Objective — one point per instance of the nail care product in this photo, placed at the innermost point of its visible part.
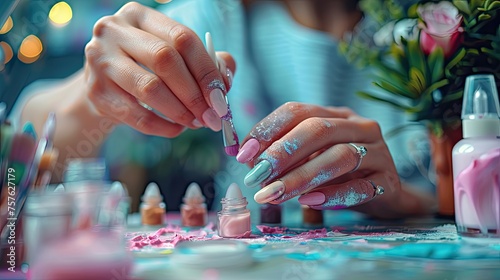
(47, 219)
(311, 217)
(194, 209)
(476, 160)
(270, 213)
(230, 138)
(85, 179)
(152, 207)
(85, 254)
(234, 218)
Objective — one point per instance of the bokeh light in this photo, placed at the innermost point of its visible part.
(163, 1)
(30, 49)
(7, 50)
(60, 14)
(7, 26)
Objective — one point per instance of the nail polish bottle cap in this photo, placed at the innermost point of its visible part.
(193, 194)
(481, 109)
(59, 188)
(118, 189)
(152, 193)
(234, 192)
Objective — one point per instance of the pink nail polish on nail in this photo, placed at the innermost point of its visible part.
(313, 198)
(218, 102)
(212, 120)
(248, 150)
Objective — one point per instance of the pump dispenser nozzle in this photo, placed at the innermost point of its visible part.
(481, 110)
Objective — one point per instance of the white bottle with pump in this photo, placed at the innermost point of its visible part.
(476, 161)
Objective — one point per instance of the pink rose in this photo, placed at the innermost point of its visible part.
(442, 27)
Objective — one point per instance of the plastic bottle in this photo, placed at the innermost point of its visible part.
(194, 209)
(476, 161)
(152, 207)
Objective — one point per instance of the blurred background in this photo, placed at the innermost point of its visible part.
(45, 39)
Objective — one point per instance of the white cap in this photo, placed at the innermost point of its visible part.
(152, 192)
(193, 194)
(118, 189)
(234, 192)
(480, 108)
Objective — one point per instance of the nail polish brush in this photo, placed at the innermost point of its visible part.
(230, 138)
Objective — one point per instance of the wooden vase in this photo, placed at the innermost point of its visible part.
(441, 148)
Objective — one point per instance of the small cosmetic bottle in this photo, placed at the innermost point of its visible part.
(194, 209)
(312, 217)
(270, 213)
(234, 218)
(476, 161)
(152, 207)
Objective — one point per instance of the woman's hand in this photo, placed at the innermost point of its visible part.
(318, 153)
(139, 59)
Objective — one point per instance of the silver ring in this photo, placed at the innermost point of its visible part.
(361, 151)
(377, 189)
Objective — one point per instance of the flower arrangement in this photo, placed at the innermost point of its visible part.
(423, 52)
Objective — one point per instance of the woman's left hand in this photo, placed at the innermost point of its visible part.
(329, 156)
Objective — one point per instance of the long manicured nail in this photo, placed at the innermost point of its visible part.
(248, 150)
(270, 192)
(218, 102)
(258, 174)
(212, 120)
(313, 198)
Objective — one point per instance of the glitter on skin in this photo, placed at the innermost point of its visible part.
(291, 146)
(344, 200)
(321, 178)
(271, 125)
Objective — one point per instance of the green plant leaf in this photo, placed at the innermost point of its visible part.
(436, 63)
(373, 97)
(462, 5)
(416, 57)
(483, 17)
(417, 80)
(394, 89)
(456, 59)
(494, 5)
(453, 96)
(428, 91)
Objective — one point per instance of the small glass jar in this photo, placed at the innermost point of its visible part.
(234, 218)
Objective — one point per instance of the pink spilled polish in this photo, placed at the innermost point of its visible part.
(248, 151)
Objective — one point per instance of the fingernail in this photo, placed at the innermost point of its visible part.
(248, 150)
(270, 192)
(197, 123)
(212, 120)
(313, 198)
(218, 102)
(258, 174)
(229, 75)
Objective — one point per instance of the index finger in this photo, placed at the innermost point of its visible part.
(192, 50)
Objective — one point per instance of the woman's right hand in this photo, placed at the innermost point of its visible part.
(138, 55)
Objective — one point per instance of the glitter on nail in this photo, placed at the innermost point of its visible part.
(217, 84)
(271, 125)
(291, 146)
(344, 200)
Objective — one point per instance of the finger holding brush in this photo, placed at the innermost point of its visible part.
(230, 138)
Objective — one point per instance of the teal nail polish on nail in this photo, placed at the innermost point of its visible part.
(258, 174)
